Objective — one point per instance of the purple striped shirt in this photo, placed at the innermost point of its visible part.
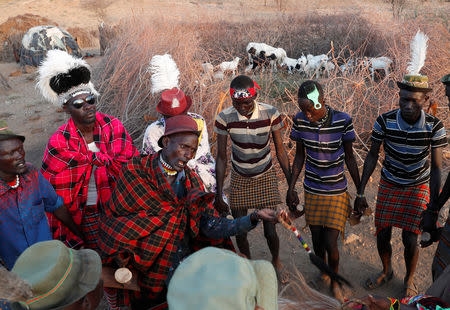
(324, 145)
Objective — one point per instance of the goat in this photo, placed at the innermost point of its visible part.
(314, 64)
(378, 63)
(230, 66)
(291, 64)
(253, 49)
(254, 52)
(208, 70)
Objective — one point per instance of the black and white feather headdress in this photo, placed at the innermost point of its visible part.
(62, 76)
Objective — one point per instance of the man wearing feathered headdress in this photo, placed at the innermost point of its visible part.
(173, 101)
(84, 156)
(408, 135)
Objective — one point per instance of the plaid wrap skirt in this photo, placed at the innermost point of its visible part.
(257, 192)
(400, 207)
(330, 211)
(442, 256)
(89, 226)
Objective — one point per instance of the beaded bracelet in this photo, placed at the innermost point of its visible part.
(395, 305)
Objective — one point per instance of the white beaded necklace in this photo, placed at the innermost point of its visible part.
(17, 182)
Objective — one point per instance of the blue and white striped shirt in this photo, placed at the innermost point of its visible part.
(407, 147)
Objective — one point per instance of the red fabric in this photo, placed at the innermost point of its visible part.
(68, 164)
(400, 207)
(148, 220)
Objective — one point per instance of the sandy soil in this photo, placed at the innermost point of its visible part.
(28, 114)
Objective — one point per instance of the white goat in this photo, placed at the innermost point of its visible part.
(291, 64)
(253, 49)
(314, 64)
(328, 66)
(227, 66)
(280, 55)
(378, 63)
(208, 70)
(302, 61)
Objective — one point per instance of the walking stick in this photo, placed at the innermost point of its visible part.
(316, 260)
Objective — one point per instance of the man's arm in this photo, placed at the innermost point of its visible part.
(435, 174)
(350, 161)
(221, 166)
(297, 167)
(430, 215)
(64, 216)
(220, 227)
(282, 157)
(370, 164)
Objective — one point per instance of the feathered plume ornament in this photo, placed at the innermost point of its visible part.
(12, 287)
(164, 72)
(418, 53)
(61, 76)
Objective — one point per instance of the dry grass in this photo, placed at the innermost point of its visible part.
(125, 84)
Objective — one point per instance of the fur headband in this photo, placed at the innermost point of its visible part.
(62, 76)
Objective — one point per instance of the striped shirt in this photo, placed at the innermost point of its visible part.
(407, 147)
(250, 137)
(324, 145)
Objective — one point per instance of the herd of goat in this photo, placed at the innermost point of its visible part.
(262, 56)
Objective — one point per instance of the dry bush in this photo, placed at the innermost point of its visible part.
(125, 84)
(84, 38)
(12, 31)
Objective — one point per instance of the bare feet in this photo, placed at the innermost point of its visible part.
(337, 292)
(281, 271)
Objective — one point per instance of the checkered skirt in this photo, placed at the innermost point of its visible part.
(327, 210)
(257, 192)
(400, 206)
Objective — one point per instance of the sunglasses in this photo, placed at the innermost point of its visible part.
(79, 103)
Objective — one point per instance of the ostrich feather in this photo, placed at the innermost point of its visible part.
(164, 72)
(418, 53)
(12, 287)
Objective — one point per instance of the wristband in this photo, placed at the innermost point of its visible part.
(255, 217)
(360, 196)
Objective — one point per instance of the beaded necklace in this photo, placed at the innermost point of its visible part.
(17, 182)
(323, 119)
(167, 168)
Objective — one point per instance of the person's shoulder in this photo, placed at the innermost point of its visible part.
(429, 118)
(300, 117)
(267, 107)
(389, 114)
(227, 113)
(108, 120)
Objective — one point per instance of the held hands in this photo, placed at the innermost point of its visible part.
(292, 200)
(428, 225)
(360, 206)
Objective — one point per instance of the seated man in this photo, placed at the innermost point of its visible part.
(160, 214)
(25, 197)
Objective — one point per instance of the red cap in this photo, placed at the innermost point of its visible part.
(177, 124)
(173, 102)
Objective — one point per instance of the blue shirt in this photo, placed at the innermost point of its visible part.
(407, 147)
(324, 146)
(22, 214)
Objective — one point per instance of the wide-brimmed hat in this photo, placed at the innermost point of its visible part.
(214, 278)
(446, 79)
(415, 83)
(177, 124)
(6, 133)
(58, 276)
(173, 102)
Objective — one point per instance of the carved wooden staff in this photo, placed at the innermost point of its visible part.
(316, 260)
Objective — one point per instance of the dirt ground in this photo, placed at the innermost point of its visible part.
(28, 114)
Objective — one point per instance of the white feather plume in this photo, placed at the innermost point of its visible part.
(419, 46)
(56, 62)
(165, 73)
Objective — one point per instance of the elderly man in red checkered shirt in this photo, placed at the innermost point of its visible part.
(160, 214)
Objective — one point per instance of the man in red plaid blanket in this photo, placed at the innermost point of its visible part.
(409, 135)
(84, 156)
(159, 214)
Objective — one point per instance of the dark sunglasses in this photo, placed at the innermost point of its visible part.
(79, 103)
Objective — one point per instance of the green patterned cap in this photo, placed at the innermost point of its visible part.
(446, 79)
(6, 134)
